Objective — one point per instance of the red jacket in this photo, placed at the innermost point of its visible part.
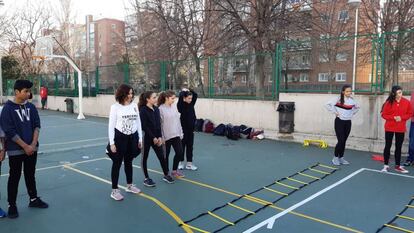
(43, 92)
(402, 109)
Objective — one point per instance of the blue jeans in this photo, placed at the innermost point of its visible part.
(411, 144)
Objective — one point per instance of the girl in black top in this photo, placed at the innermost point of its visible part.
(185, 105)
(151, 125)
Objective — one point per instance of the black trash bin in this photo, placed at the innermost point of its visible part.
(69, 105)
(286, 117)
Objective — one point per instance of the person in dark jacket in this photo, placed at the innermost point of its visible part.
(151, 125)
(185, 105)
(21, 123)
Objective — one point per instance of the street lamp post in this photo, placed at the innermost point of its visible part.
(355, 3)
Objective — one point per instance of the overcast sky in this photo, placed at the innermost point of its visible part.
(98, 8)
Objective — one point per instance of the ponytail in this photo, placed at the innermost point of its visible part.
(143, 98)
(163, 97)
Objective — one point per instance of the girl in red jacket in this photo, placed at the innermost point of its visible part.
(395, 111)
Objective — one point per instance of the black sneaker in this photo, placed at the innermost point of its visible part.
(38, 203)
(408, 163)
(149, 183)
(168, 179)
(13, 213)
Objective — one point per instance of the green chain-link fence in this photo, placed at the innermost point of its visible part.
(312, 66)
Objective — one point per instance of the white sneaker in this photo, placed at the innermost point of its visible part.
(343, 161)
(132, 189)
(191, 166)
(386, 168)
(116, 195)
(335, 161)
(181, 166)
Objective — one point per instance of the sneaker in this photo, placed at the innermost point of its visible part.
(149, 183)
(177, 174)
(13, 213)
(181, 166)
(400, 169)
(386, 168)
(335, 161)
(343, 161)
(168, 179)
(116, 195)
(38, 203)
(191, 166)
(131, 188)
(2, 213)
(408, 163)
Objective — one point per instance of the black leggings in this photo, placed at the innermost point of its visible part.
(127, 150)
(16, 163)
(342, 130)
(148, 143)
(116, 166)
(178, 148)
(399, 139)
(188, 142)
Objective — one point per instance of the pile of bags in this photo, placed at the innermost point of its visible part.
(233, 132)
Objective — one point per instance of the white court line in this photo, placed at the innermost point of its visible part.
(71, 142)
(270, 221)
(73, 148)
(74, 119)
(66, 164)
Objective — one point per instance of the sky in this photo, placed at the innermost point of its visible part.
(98, 8)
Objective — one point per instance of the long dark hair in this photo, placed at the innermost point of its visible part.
(122, 93)
(342, 98)
(143, 98)
(391, 97)
(187, 94)
(163, 96)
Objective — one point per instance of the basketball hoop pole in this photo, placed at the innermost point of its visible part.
(80, 97)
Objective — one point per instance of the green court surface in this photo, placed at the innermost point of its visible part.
(74, 178)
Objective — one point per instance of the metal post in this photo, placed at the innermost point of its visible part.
(355, 50)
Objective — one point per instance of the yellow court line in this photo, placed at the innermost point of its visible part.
(195, 228)
(288, 186)
(298, 181)
(410, 206)
(156, 201)
(405, 217)
(62, 165)
(262, 202)
(313, 177)
(398, 228)
(258, 199)
(240, 208)
(275, 191)
(319, 171)
(325, 166)
(220, 218)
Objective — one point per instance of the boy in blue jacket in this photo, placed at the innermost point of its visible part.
(20, 122)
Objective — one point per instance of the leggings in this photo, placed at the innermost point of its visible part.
(148, 143)
(399, 139)
(178, 148)
(342, 130)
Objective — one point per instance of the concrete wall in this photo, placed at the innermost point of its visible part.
(312, 120)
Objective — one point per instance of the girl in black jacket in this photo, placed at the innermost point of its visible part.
(151, 125)
(185, 105)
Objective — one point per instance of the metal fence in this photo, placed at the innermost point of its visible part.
(320, 65)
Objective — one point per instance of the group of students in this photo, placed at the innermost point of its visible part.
(164, 125)
(395, 111)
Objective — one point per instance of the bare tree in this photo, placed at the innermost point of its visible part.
(185, 20)
(25, 26)
(395, 18)
(262, 23)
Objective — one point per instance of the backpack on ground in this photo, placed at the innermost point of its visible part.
(208, 126)
(199, 125)
(233, 132)
(220, 130)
